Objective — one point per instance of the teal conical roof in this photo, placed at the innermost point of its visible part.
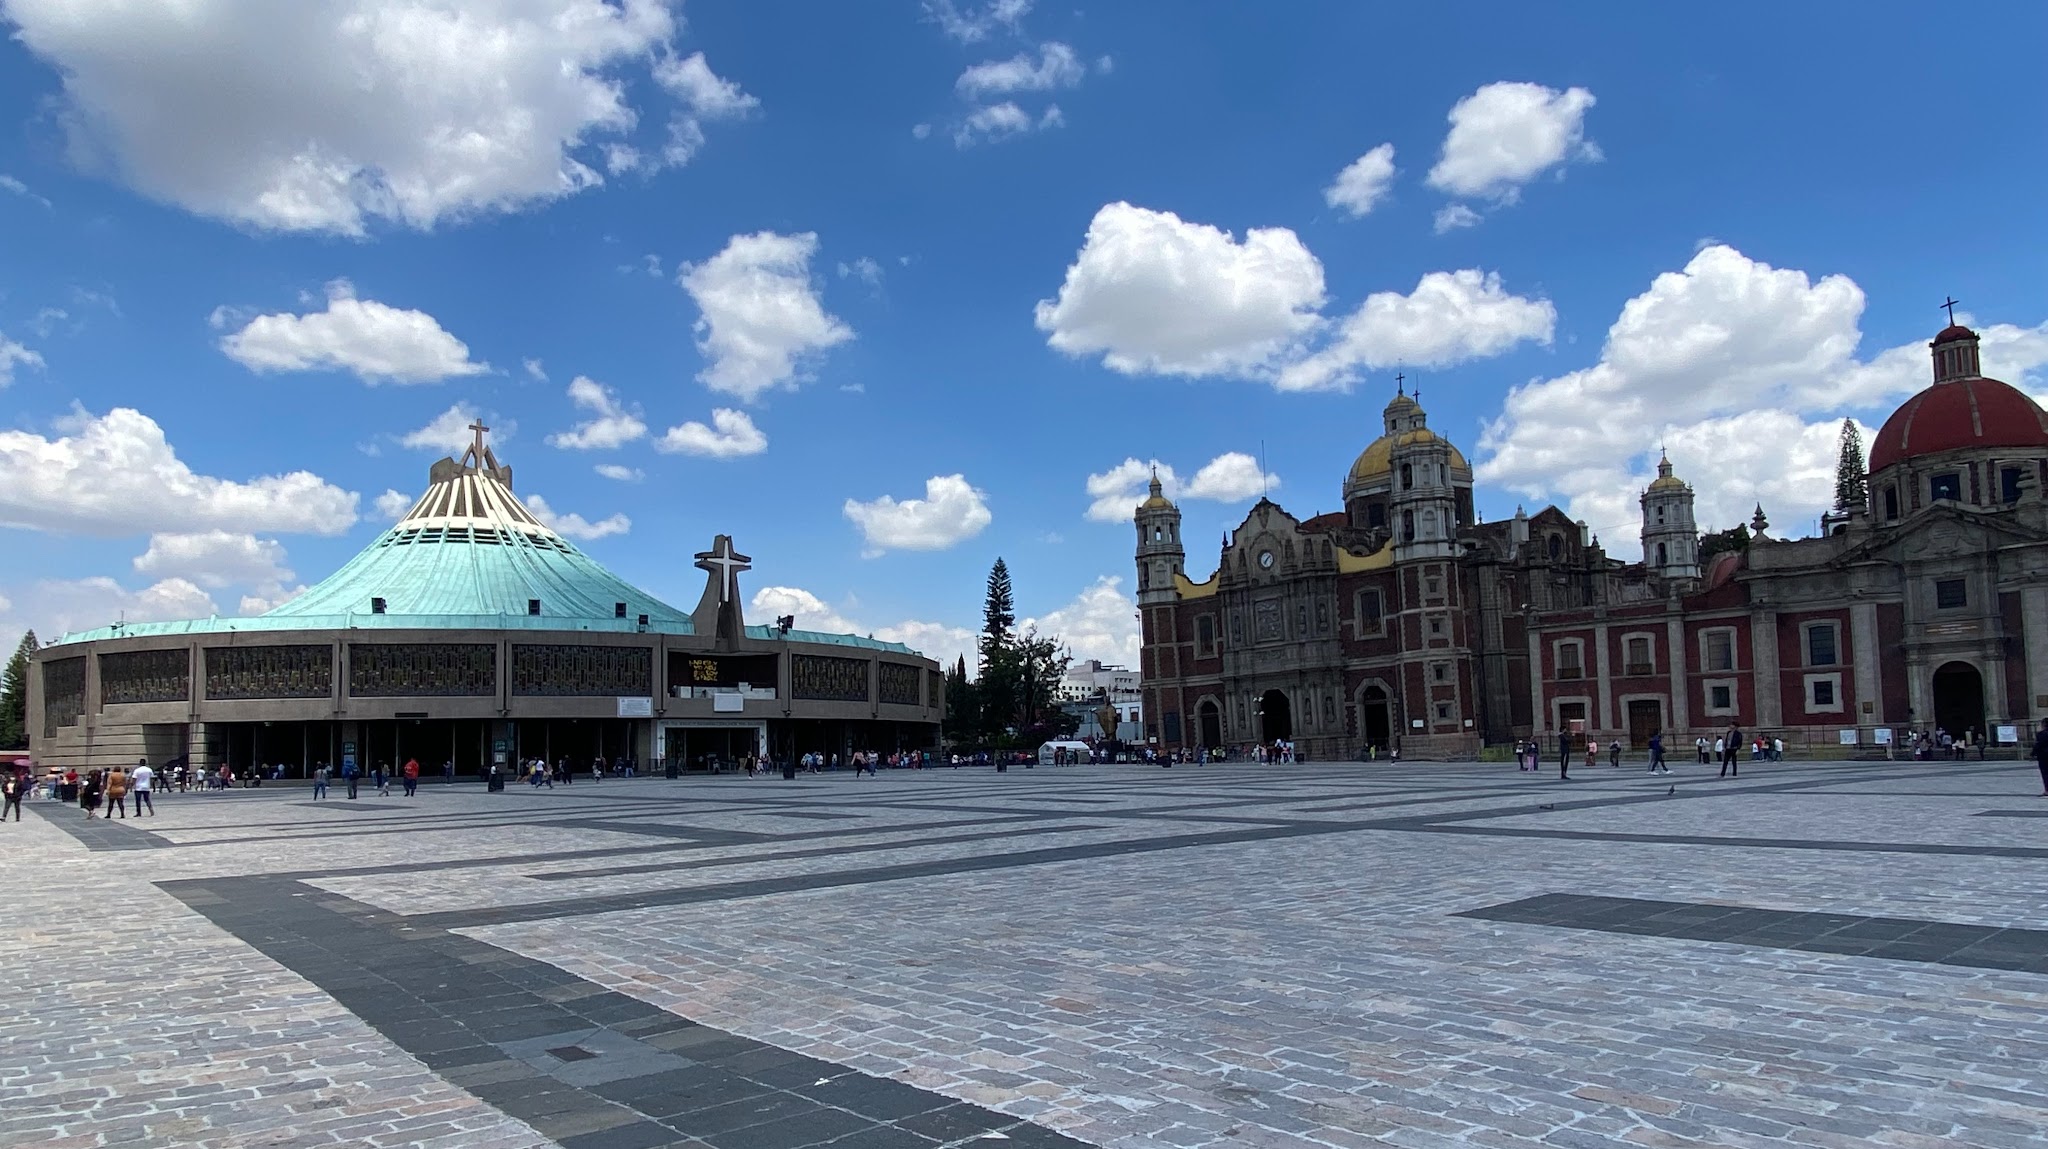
(470, 554)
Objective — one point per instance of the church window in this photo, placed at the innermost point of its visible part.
(1436, 625)
(1822, 641)
(1407, 526)
(1663, 554)
(1440, 672)
(1823, 692)
(1721, 699)
(1407, 476)
(1376, 515)
(1443, 711)
(1556, 547)
(1205, 636)
(1717, 650)
(1636, 656)
(1236, 628)
(1571, 661)
(1322, 616)
(1660, 514)
(1947, 485)
(1951, 593)
(1891, 503)
(1371, 613)
(1433, 585)
(1301, 620)
(2008, 485)
(1429, 524)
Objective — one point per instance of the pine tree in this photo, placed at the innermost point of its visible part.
(14, 695)
(1852, 489)
(998, 688)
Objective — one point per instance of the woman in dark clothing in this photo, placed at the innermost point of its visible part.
(89, 794)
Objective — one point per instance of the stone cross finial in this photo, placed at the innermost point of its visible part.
(724, 564)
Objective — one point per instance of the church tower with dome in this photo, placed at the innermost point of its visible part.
(1403, 621)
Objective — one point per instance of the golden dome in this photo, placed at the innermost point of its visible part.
(1665, 480)
(1157, 500)
(1377, 460)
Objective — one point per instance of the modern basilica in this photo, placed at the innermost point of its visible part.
(471, 633)
(1401, 622)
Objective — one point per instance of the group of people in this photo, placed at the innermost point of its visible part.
(1726, 749)
(1939, 743)
(114, 789)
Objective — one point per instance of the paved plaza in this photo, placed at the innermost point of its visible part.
(1836, 955)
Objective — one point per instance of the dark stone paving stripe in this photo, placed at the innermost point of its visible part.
(818, 852)
(97, 833)
(1896, 939)
(2011, 814)
(584, 1065)
(1732, 841)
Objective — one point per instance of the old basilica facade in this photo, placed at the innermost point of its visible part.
(1403, 622)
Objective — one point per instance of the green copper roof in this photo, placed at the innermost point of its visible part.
(469, 556)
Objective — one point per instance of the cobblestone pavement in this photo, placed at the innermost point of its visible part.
(1342, 955)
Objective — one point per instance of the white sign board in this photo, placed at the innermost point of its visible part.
(728, 703)
(1884, 736)
(1848, 737)
(2008, 735)
(636, 707)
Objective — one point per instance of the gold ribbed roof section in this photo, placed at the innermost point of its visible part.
(1377, 460)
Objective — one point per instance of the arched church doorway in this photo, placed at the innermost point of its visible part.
(1210, 719)
(1959, 699)
(1376, 715)
(1276, 719)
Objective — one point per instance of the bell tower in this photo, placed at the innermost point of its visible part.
(1671, 541)
(1160, 553)
(1422, 507)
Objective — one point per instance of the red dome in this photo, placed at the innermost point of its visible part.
(1953, 332)
(1958, 414)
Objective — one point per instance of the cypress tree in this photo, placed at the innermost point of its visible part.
(1852, 488)
(14, 695)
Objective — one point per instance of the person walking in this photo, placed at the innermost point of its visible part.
(141, 782)
(1614, 754)
(1657, 765)
(351, 774)
(320, 781)
(1592, 753)
(117, 793)
(1731, 754)
(2041, 755)
(412, 777)
(1564, 755)
(447, 772)
(16, 785)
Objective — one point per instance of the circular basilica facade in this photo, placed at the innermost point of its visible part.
(471, 633)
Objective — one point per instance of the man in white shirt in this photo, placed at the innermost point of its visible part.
(139, 783)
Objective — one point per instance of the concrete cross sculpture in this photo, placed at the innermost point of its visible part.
(724, 565)
(718, 613)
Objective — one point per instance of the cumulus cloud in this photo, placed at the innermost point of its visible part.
(1451, 317)
(377, 342)
(14, 355)
(1055, 67)
(393, 503)
(449, 431)
(1231, 477)
(732, 435)
(1453, 216)
(935, 640)
(618, 473)
(1744, 370)
(534, 370)
(704, 96)
(998, 121)
(1363, 183)
(1101, 623)
(325, 116)
(612, 424)
(56, 607)
(215, 558)
(1153, 294)
(576, 526)
(864, 269)
(971, 24)
(951, 512)
(1506, 134)
(117, 474)
(761, 315)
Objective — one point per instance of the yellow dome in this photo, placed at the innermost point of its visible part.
(1667, 483)
(1377, 460)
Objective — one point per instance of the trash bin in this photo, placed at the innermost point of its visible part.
(495, 784)
(671, 768)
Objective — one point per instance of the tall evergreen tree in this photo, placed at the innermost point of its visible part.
(963, 711)
(14, 695)
(998, 689)
(1852, 486)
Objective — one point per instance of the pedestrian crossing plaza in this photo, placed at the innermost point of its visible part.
(1841, 954)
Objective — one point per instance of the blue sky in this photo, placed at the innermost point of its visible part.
(987, 262)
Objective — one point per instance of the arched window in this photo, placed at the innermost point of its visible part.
(1891, 503)
(1556, 548)
(1408, 526)
(1407, 476)
(1663, 555)
(1660, 514)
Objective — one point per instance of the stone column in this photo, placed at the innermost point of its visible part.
(1675, 658)
(2034, 640)
(1763, 654)
(1603, 676)
(1863, 659)
(1539, 716)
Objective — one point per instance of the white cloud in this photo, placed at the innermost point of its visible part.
(116, 474)
(761, 313)
(1153, 294)
(1228, 478)
(1453, 216)
(393, 503)
(324, 116)
(449, 431)
(14, 355)
(1506, 134)
(1744, 370)
(55, 607)
(691, 80)
(975, 24)
(1101, 622)
(266, 600)
(619, 473)
(934, 640)
(534, 371)
(1056, 67)
(998, 121)
(1451, 317)
(377, 342)
(951, 511)
(1363, 183)
(864, 269)
(732, 435)
(614, 424)
(576, 526)
(215, 558)
(9, 183)
(920, 131)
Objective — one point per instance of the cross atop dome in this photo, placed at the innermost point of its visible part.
(479, 456)
(724, 565)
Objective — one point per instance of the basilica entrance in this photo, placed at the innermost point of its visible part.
(1377, 718)
(1959, 699)
(1211, 721)
(1276, 718)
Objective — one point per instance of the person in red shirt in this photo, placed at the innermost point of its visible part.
(412, 777)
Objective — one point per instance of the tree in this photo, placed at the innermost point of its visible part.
(14, 695)
(963, 710)
(999, 686)
(1852, 486)
(1735, 538)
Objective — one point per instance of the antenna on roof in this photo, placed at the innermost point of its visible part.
(1263, 485)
